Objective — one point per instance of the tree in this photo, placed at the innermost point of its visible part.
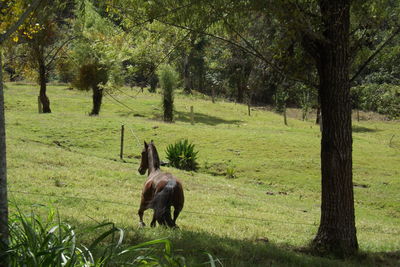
(98, 54)
(8, 29)
(43, 38)
(337, 230)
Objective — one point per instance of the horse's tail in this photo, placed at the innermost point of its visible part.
(162, 203)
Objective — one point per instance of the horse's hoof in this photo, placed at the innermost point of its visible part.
(142, 224)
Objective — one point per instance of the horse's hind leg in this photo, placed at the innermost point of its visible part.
(179, 199)
(153, 221)
(177, 210)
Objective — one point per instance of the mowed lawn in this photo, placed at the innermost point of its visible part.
(70, 161)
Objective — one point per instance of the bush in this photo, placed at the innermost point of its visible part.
(168, 81)
(181, 155)
(381, 98)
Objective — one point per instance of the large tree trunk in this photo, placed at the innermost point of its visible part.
(337, 231)
(3, 168)
(43, 87)
(97, 99)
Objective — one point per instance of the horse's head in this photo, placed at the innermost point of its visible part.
(150, 160)
(144, 164)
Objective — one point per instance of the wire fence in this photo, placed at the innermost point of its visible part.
(196, 212)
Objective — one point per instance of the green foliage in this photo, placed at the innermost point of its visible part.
(36, 241)
(90, 76)
(168, 82)
(382, 98)
(182, 155)
(99, 50)
(280, 98)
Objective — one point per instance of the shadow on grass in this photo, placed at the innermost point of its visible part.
(194, 246)
(243, 253)
(130, 114)
(203, 118)
(360, 129)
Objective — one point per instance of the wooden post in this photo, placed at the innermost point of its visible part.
(248, 108)
(40, 107)
(121, 154)
(191, 115)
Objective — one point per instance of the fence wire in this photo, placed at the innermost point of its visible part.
(191, 212)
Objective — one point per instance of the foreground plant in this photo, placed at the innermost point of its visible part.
(35, 241)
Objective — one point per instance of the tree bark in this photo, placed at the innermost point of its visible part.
(3, 168)
(337, 232)
(97, 100)
(43, 88)
(187, 84)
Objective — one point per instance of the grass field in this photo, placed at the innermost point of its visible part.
(265, 216)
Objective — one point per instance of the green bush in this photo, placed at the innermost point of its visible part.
(181, 155)
(381, 98)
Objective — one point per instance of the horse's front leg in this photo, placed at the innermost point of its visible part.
(147, 196)
(141, 212)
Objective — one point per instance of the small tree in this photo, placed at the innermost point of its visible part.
(281, 96)
(98, 54)
(168, 81)
(92, 76)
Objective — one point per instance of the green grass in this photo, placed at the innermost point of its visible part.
(70, 161)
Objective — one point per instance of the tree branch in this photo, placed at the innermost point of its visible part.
(377, 51)
(58, 50)
(245, 49)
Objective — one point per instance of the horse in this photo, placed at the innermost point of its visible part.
(161, 190)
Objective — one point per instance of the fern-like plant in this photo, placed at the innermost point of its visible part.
(35, 241)
(182, 155)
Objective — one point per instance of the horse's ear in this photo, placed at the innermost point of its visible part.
(152, 142)
(145, 144)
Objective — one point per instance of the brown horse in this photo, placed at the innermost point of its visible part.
(161, 190)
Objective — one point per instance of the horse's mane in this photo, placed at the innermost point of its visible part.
(154, 155)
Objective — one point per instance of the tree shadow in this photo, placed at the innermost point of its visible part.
(130, 114)
(361, 129)
(203, 118)
(195, 246)
(253, 251)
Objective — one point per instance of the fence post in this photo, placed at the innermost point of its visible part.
(121, 153)
(191, 115)
(40, 107)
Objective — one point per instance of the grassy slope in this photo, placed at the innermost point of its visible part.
(275, 195)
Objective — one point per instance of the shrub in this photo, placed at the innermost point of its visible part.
(381, 98)
(181, 155)
(168, 80)
(230, 172)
